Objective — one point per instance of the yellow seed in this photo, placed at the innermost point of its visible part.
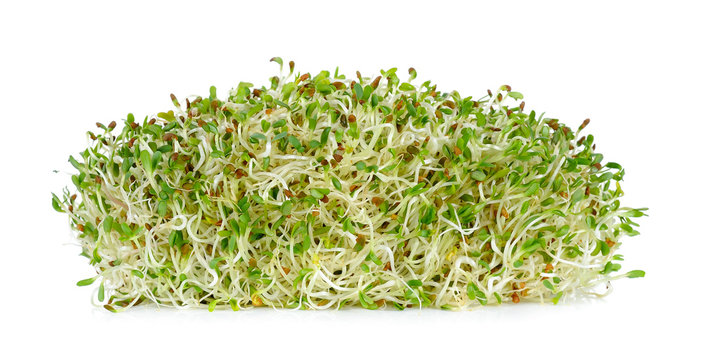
(451, 254)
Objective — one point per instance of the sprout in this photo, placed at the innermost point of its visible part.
(323, 191)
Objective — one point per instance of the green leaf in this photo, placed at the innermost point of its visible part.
(155, 159)
(325, 89)
(562, 231)
(515, 95)
(429, 216)
(167, 115)
(472, 291)
(231, 244)
(277, 60)
(101, 292)
(212, 305)
(213, 263)
(295, 143)
(280, 103)
(372, 257)
(406, 87)
(306, 243)
(360, 165)
(358, 89)
(367, 91)
(547, 202)
(55, 202)
(162, 208)
(366, 302)
(146, 161)
(532, 188)
(557, 297)
(481, 297)
(325, 136)
(317, 194)
(478, 175)
(336, 183)
(577, 196)
(338, 134)
(635, 212)
(259, 200)
(86, 282)
(501, 173)
(591, 222)
(635, 274)
(125, 230)
(211, 128)
(175, 239)
(525, 206)
(257, 137)
(548, 285)
(414, 283)
(411, 110)
(610, 267)
(365, 268)
(286, 207)
(107, 223)
(603, 247)
(234, 305)
(481, 119)
(417, 189)
(74, 162)
(280, 136)
(301, 275)
(167, 189)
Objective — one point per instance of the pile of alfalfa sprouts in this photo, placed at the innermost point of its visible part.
(321, 191)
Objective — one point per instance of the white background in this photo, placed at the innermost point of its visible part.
(633, 68)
